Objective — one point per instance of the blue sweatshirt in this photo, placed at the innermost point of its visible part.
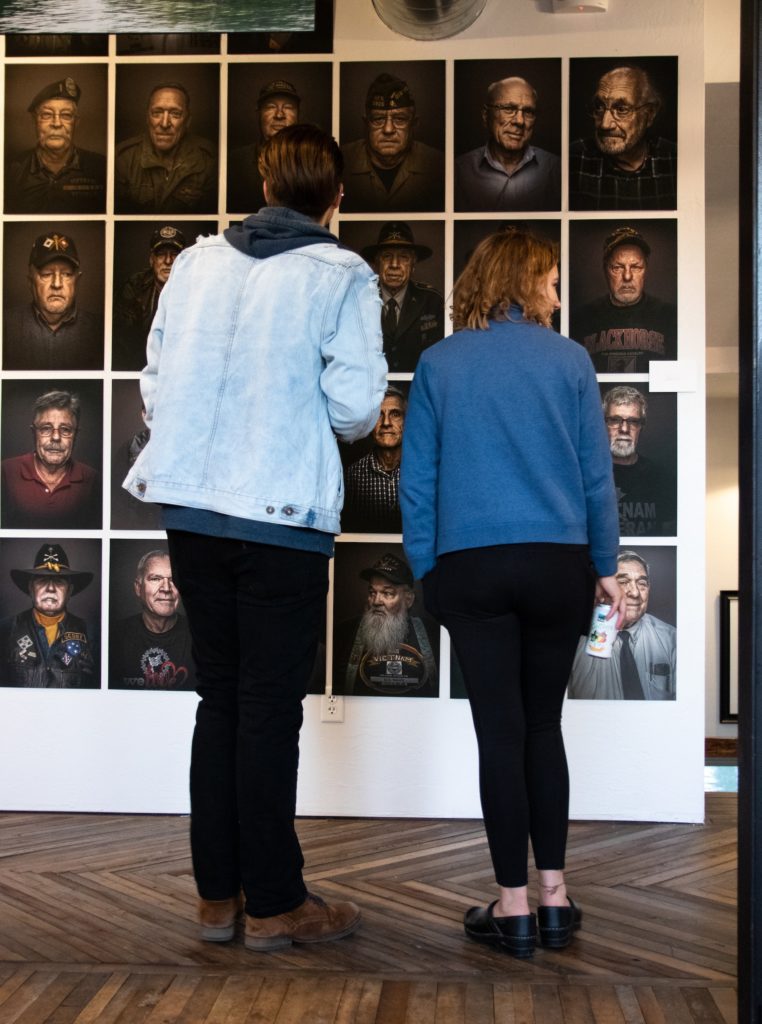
(505, 444)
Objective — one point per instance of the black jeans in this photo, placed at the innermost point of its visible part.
(255, 613)
(515, 613)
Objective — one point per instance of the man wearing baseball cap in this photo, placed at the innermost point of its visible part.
(389, 169)
(136, 305)
(413, 314)
(277, 107)
(56, 176)
(51, 332)
(47, 646)
(387, 651)
(626, 328)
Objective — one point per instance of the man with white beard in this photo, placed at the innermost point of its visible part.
(646, 495)
(387, 651)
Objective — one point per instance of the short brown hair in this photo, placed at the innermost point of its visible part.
(506, 268)
(302, 166)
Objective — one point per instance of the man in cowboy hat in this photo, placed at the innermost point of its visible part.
(413, 313)
(52, 332)
(387, 651)
(47, 646)
(135, 308)
(56, 176)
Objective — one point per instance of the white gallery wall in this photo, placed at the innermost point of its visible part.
(128, 752)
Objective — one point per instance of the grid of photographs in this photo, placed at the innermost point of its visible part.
(95, 214)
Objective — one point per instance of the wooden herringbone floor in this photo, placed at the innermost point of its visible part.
(97, 923)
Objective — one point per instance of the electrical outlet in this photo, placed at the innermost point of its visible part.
(331, 708)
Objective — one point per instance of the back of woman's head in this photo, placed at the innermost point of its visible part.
(302, 166)
(507, 268)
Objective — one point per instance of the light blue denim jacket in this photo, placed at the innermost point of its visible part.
(244, 393)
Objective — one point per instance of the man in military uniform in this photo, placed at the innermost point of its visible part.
(56, 176)
(47, 646)
(136, 305)
(152, 650)
(166, 170)
(388, 651)
(389, 169)
(52, 332)
(277, 107)
(413, 313)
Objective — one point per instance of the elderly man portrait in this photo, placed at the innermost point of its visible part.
(389, 169)
(413, 313)
(165, 169)
(625, 328)
(135, 306)
(55, 175)
(508, 172)
(46, 645)
(642, 663)
(47, 487)
(646, 491)
(371, 500)
(387, 651)
(277, 107)
(151, 650)
(51, 332)
(623, 165)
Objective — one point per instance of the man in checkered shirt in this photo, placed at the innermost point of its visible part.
(372, 500)
(623, 167)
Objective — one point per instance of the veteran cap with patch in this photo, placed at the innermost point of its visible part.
(392, 568)
(387, 92)
(53, 246)
(625, 236)
(168, 237)
(280, 87)
(63, 89)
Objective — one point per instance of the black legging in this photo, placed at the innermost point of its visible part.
(515, 613)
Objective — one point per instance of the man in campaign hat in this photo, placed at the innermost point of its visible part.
(47, 646)
(136, 305)
(277, 107)
(56, 176)
(389, 169)
(413, 314)
(52, 332)
(387, 651)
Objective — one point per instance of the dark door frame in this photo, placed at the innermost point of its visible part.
(750, 537)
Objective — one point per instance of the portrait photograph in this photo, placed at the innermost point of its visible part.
(384, 642)
(623, 133)
(55, 138)
(144, 252)
(129, 436)
(167, 132)
(408, 257)
(133, 44)
(372, 469)
(508, 135)
(392, 136)
(642, 665)
(53, 295)
(149, 639)
(50, 601)
(623, 291)
(317, 40)
(52, 454)
(642, 434)
(262, 99)
(36, 44)
(468, 234)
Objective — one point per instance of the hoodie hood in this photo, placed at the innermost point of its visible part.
(276, 229)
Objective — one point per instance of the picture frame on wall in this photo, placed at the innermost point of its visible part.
(728, 656)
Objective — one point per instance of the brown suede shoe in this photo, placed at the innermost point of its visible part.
(314, 921)
(218, 917)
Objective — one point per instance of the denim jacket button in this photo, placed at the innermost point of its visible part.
(141, 487)
(269, 510)
(288, 511)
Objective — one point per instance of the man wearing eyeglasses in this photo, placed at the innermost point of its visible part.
(52, 332)
(508, 173)
(627, 327)
(389, 169)
(152, 650)
(622, 166)
(48, 487)
(56, 176)
(646, 494)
